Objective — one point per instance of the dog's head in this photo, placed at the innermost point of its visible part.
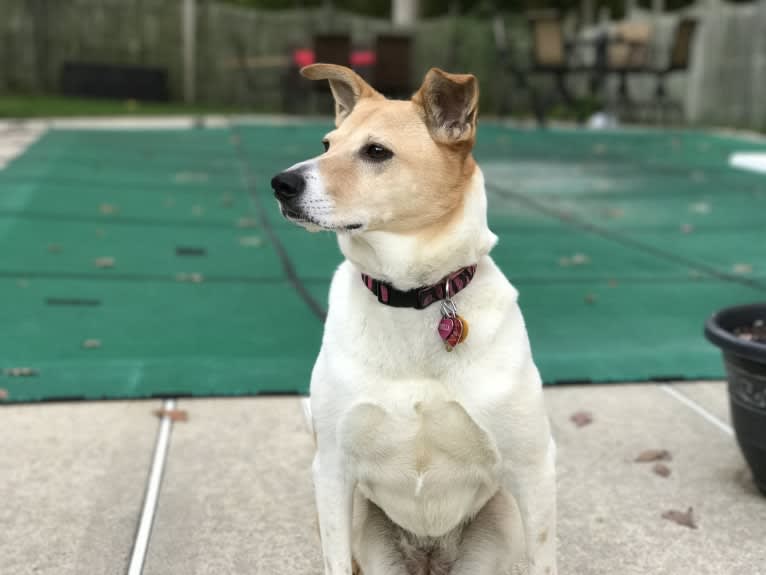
(392, 165)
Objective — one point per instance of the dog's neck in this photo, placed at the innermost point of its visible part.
(407, 261)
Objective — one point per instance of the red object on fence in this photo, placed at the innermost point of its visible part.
(359, 58)
(303, 57)
(362, 58)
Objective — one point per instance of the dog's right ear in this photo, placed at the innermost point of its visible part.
(346, 85)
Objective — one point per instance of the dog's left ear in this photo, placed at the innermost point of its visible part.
(451, 104)
(346, 85)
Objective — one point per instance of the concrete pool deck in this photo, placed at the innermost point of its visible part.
(236, 496)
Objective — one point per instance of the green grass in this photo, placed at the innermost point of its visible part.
(26, 106)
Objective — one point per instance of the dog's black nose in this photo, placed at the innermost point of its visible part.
(288, 185)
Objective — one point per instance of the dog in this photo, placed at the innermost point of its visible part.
(434, 454)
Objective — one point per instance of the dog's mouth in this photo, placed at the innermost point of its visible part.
(304, 220)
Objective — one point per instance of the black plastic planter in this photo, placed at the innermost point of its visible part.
(745, 363)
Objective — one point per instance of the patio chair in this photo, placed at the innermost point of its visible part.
(679, 61)
(550, 53)
(628, 53)
(391, 73)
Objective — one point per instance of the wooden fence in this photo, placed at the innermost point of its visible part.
(240, 55)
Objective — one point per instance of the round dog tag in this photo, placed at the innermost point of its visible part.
(464, 334)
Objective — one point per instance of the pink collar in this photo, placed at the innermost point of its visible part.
(422, 297)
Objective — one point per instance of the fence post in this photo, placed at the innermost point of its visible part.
(404, 13)
(189, 41)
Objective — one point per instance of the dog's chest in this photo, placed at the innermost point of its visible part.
(424, 461)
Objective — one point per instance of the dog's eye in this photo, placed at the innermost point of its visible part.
(377, 153)
(326, 144)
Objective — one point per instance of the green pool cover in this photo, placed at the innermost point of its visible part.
(155, 263)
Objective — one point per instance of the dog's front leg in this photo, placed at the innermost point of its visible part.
(334, 498)
(533, 486)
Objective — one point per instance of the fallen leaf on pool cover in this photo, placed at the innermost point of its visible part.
(251, 241)
(577, 259)
(580, 259)
(700, 208)
(195, 278)
(172, 414)
(247, 223)
(661, 469)
(190, 177)
(582, 418)
(685, 518)
(654, 455)
(20, 372)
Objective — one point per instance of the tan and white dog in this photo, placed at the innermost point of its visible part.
(434, 452)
